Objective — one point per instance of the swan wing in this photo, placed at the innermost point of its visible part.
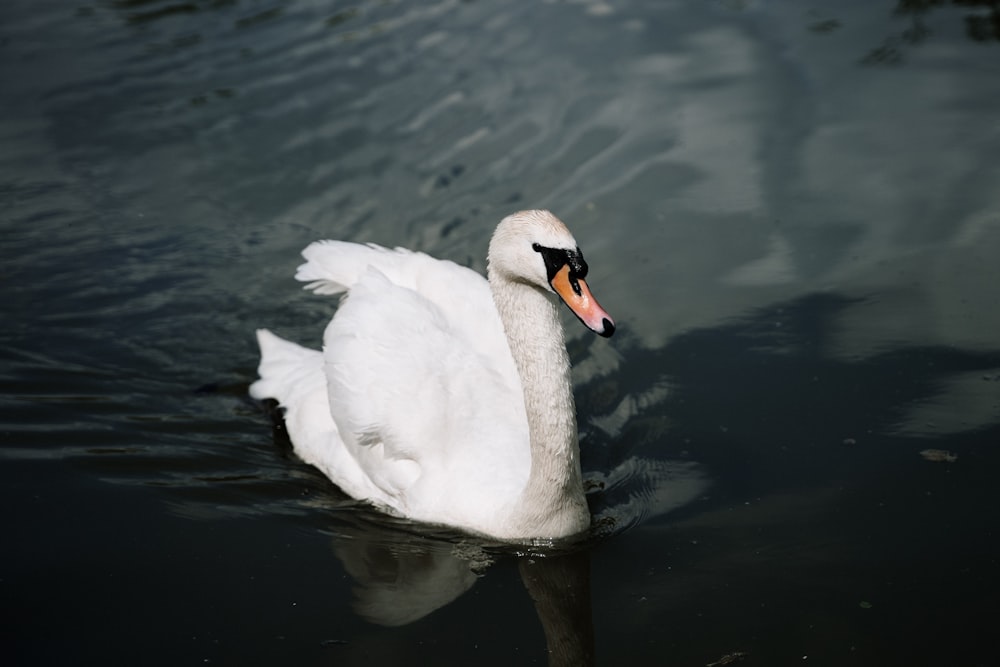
(461, 296)
(415, 402)
(430, 414)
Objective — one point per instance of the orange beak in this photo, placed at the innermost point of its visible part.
(575, 294)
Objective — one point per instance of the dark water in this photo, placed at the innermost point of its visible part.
(791, 210)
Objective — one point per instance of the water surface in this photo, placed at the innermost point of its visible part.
(791, 211)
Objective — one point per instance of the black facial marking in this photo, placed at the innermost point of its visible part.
(556, 258)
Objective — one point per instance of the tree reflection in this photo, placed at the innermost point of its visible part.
(766, 403)
(981, 18)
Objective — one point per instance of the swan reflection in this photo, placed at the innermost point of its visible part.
(400, 583)
(403, 571)
(397, 583)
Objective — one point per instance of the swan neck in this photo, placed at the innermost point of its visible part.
(552, 503)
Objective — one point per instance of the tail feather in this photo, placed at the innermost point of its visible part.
(294, 376)
(286, 370)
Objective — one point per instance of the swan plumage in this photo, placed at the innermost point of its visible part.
(440, 396)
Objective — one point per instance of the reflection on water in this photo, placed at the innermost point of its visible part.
(560, 587)
(401, 580)
(981, 19)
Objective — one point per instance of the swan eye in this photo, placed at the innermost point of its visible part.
(556, 258)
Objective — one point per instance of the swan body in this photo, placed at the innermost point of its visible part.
(440, 396)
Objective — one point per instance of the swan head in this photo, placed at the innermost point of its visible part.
(536, 247)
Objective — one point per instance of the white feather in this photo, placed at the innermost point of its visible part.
(416, 404)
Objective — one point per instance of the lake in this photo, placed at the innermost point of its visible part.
(790, 209)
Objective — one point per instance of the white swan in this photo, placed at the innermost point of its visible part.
(433, 399)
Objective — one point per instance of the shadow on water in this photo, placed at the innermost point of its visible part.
(826, 470)
(766, 394)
